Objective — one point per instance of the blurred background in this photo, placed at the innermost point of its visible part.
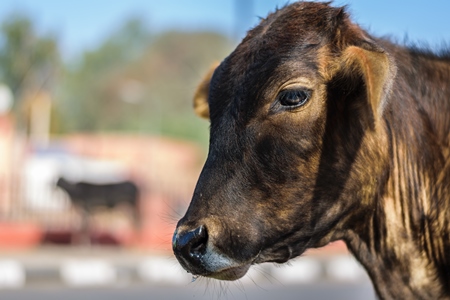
(100, 150)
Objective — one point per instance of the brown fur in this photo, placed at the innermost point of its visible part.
(201, 107)
(365, 159)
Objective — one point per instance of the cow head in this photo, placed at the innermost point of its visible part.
(295, 113)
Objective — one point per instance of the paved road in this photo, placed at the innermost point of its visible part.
(52, 274)
(196, 291)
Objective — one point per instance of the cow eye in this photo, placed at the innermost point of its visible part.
(293, 98)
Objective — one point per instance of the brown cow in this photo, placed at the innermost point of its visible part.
(321, 132)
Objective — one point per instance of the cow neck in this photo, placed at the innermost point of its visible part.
(402, 238)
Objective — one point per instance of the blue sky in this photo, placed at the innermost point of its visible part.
(82, 24)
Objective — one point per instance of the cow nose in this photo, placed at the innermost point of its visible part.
(190, 245)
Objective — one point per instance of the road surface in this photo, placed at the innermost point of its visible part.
(198, 291)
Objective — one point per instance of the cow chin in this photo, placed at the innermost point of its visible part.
(232, 273)
(283, 252)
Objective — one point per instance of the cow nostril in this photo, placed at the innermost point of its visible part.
(192, 243)
(198, 245)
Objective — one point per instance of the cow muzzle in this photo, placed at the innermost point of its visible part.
(195, 250)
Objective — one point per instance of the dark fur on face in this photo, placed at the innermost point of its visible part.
(321, 132)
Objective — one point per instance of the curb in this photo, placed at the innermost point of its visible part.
(89, 272)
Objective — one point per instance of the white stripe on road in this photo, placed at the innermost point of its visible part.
(12, 274)
(160, 270)
(301, 270)
(345, 268)
(88, 272)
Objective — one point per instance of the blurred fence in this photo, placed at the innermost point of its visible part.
(34, 210)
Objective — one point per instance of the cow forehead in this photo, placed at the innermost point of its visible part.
(282, 46)
(250, 78)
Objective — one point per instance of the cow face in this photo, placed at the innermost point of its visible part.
(291, 110)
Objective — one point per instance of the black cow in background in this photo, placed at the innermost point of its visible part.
(88, 196)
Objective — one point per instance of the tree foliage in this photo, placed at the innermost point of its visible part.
(28, 61)
(141, 83)
(133, 81)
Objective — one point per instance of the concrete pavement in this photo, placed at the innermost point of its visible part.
(103, 266)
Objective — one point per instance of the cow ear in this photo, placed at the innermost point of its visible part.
(201, 106)
(376, 68)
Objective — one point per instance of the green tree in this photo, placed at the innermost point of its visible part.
(138, 82)
(85, 98)
(28, 61)
(171, 68)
